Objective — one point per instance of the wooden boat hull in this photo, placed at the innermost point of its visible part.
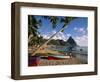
(57, 57)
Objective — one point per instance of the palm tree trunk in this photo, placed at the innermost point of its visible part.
(64, 26)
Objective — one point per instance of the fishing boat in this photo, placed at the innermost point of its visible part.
(57, 57)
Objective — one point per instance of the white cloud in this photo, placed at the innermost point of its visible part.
(80, 30)
(45, 36)
(75, 28)
(68, 35)
(87, 29)
(82, 40)
(53, 32)
(60, 35)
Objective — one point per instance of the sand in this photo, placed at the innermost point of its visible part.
(69, 61)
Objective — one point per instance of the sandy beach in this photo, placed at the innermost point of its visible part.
(69, 61)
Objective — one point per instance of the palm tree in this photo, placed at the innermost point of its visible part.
(33, 25)
(54, 21)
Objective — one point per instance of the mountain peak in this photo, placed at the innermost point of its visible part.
(71, 41)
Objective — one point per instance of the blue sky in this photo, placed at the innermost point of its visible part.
(77, 28)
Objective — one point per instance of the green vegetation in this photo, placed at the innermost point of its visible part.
(34, 37)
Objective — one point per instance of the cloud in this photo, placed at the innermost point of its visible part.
(82, 40)
(87, 29)
(75, 28)
(68, 35)
(80, 30)
(45, 36)
(53, 32)
(60, 35)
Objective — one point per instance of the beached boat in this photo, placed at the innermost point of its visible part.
(57, 57)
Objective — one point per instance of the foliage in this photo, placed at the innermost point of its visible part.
(34, 24)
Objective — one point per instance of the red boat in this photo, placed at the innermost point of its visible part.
(57, 57)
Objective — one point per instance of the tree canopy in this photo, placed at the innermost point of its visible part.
(34, 37)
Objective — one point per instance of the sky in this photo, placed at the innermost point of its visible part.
(77, 29)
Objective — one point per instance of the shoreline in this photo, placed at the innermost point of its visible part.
(68, 61)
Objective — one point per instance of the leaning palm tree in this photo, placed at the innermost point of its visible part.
(65, 21)
(52, 19)
(33, 25)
